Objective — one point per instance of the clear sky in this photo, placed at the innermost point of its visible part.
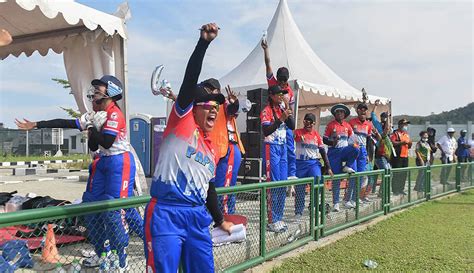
(419, 53)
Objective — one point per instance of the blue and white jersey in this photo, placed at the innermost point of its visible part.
(267, 118)
(186, 163)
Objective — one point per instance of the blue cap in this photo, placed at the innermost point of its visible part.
(114, 86)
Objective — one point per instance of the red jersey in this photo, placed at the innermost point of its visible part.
(307, 144)
(361, 129)
(340, 132)
(115, 125)
(290, 96)
(267, 118)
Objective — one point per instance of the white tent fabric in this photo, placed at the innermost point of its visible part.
(92, 41)
(317, 85)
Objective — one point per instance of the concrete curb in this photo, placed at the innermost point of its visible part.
(29, 163)
(41, 179)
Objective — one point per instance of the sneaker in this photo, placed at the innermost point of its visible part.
(336, 207)
(349, 205)
(292, 177)
(276, 227)
(91, 262)
(347, 169)
(366, 199)
(282, 225)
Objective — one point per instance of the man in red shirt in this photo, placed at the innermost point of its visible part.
(402, 143)
(342, 148)
(281, 80)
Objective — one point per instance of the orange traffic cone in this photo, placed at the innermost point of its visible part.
(50, 252)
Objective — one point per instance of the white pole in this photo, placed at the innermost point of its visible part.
(27, 145)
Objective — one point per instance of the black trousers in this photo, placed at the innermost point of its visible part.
(399, 178)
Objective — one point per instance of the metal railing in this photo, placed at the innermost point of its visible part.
(257, 202)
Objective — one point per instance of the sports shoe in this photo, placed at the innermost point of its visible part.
(336, 207)
(347, 169)
(292, 177)
(366, 199)
(349, 205)
(91, 262)
(276, 227)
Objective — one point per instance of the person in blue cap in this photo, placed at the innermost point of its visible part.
(112, 172)
(342, 148)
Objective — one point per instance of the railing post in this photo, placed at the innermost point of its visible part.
(357, 185)
(314, 203)
(428, 183)
(323, 211)
(409, 185)
(263, 220)
(458, 176)
(388, 183)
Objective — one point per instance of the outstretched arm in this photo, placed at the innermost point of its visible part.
(266, 56)
(54, 123)
(187, 91)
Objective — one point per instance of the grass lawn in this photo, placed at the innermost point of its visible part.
(12, 158)
(435, 236)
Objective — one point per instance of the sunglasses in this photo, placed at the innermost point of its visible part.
(209, 105)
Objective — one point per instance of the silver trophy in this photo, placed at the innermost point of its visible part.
(158, 87)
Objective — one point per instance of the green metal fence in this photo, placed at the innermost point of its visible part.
(308, 214)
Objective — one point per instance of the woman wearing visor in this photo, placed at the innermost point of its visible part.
(111, 174)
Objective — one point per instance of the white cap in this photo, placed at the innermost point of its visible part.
(451, 130)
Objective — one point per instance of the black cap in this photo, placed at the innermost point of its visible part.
(283, 72)
(211, 83)
(384, 115)
(362, 105)
(202, 95)
(310, 116)
(403, 121)
(276, 89)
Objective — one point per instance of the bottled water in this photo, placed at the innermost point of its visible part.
(114, 261)
(107, 248)
(104, 263)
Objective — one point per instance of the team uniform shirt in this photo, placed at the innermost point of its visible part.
(424, 150)
(307, 144)
(448, 145)
(290, 96)
(362, 130)
(267, 118)
(186, 164)
(232, 131)
(115, 125)
(342, 132)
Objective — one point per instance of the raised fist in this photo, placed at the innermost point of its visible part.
(209, 31)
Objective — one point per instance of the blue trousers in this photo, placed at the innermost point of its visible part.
(177, 234)
(290, 150)
(226, 176)
(360, 166)
(276, 169)
(110, 177)
(305, 168)
(336, 158)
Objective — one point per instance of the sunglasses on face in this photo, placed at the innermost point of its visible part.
(209, 105)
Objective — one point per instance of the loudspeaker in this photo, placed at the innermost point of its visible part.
(254, 125)
(252, 142)
(259, 99)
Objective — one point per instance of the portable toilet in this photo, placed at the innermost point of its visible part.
(158, 127)
(140, 138)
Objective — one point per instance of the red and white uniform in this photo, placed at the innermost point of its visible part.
(267, 118)
(341, 132)
(361, 129)
(308, 144)
(117, 126)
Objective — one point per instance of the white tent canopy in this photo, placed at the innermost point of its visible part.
(92, 42)
(317, 85)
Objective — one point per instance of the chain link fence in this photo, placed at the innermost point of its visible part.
(39, 240)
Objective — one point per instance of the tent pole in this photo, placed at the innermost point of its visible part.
(47, 34)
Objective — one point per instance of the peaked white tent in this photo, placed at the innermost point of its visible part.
(92, 42)
(316, 85)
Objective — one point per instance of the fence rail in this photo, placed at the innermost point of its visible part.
(73, 227)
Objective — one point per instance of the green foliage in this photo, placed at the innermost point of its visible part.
(72, 113)
(66, 85)
(433, 237)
